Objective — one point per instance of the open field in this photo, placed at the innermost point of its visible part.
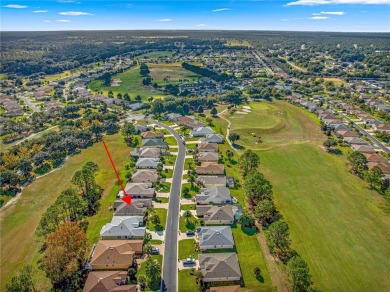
(336, 223)
(172, 71)
(131, 84)
(19, 245)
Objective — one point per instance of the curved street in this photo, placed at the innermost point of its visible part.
(169, 269)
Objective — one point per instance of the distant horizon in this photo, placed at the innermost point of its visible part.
(214, 15)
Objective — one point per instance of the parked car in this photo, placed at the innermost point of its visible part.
(189, 261)
(155, 250)
(190, 233)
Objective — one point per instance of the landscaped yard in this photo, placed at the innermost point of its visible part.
(142, 270)
(163, 187)
(19, 221)
(162, 213)
(188, 207)
(193, 190)
(170, 141)
(187, 282)
(187, 249)
(192, 224)
(167, 173)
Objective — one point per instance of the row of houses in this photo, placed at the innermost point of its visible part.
(11, 106)
(214, 205)
(121, 240)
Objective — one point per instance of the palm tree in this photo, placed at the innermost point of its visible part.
(187, 214)
(141, 279)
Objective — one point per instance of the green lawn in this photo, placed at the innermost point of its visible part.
(167, 173)
(19, 221)
(142, 270)
(163, 187)
(171, 72)
(193, 190)
(188, 162)
(183, 226)
(161, 200)
(170, 141)
(131, 84)
(336, 223)
(162, 213)
(187, 282)
(187, 249)
(250, 256)
(188, 207)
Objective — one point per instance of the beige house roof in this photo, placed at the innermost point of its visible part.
(210, 168)
(207, 147)
(116, 252)
(208, 156)
(108, 281)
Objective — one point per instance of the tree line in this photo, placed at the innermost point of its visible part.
(206, 72)
(259, 196)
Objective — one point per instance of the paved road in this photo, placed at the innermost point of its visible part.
(30, 104)
(172, 228)
(369, 136)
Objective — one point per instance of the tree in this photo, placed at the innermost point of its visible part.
(256, 188)
(229, 154)
(329, 143)
(156, 220)
(300, 274)
(131, 272)
(248, 161)
(265, 211)
(186, 191)
(247, 220)
(153, 271)
(23, 282)
(278, 240)
(257, 271)
(147, 248)
(200, 109)
(150, 99)
(358, 162)
(128, 130)
(233, 137)
(138, 98)
(187, 214)
(213, 111)
(375, 177)
(65, 252)
(147, 238)
(141, 279)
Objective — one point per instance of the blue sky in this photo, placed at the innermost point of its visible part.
(299, 15)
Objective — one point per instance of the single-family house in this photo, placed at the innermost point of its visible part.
(154, 143)
(210, 168)
(152, 135)
(140, 190)
(214, 195)
(356, 141)
(115, 254)
(215, 214)
(108, 281)
(207, 147)
(137, 207)
(385, 167)
(212, 138)
(144, 176)
(375, 157)
(147, 163)
(123, 229)
(201, 132)
(382, 128)
(208, 157)
(211, 180)
(217, 267)
(363, 148)
(347, 134)
(141, 128)
(339, 127)
(215, 237)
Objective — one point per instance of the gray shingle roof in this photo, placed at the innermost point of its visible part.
(215, 235)
(219, 265)
(214, 194)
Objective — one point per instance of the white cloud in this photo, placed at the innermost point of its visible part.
(316, 14)
(333, 12)
(74, 13)
(319, 17)
(201, 25)
(334, 2)
(63, 20)
(40, 11)
(221, 9)
(15, 6)
(47, 21)
(165, 20)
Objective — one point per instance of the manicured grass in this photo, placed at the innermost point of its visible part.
(162, 213)
(156, 241)
(142, 270)
(188, 207)
(163, 187)
(174, 73)
(191, 146)
(19, 221)
(169, 160)
(161, 200)
(156, 54)
(170, 140)
(167, 173)
(187, 282)
(188, 162)
(131, 84)
(192, 224)
(187, 249)
(336, 222)
(250, 256)
(193, 190)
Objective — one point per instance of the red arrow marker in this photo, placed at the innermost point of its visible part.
(126, 198)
